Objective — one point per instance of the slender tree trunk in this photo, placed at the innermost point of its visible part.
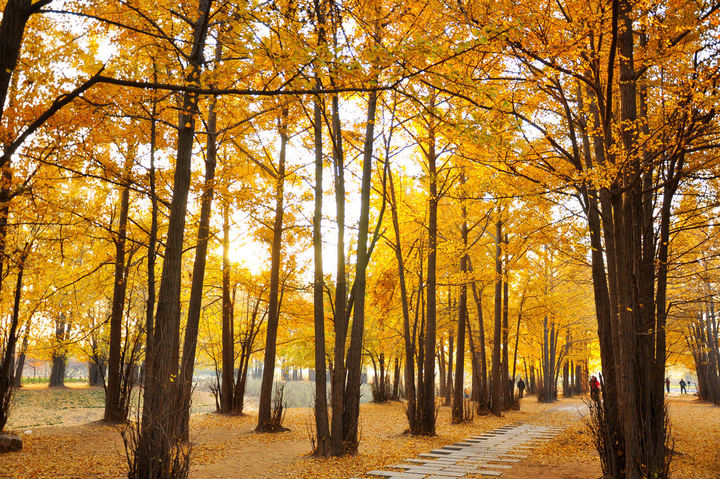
(264, 410)
(507, 388)
(17, 380)
(483, 393)
(341, 317)
(449, 376)
(152, 245)
(114, 410)
(496, 400)
(354, 358)
(228, 333)
(6, 366)
(198, 276)
(408, 339)
(428, 404)
(396, 380)
(457, 405)
(322, 428)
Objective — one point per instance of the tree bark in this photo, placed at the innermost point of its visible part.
(322, 429)
(114, 409)
(458, 397)
(264, 410)
(198, 275)
(496, 400)
(354, 357)
(158, 434)
(427, 426)
(408, 338)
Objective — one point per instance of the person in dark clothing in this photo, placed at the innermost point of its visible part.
(667, 384)
(683, 390)
(521, 387)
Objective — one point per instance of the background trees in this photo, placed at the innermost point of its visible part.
(485, 173)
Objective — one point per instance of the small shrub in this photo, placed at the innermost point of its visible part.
(277, 414)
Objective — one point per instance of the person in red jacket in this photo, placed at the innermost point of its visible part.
(594, 388)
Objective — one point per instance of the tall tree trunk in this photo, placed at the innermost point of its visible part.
(341, 317)
(507, 387)
(322, 428)
(158, 430)
(354, 357)
(483, 393)
(114, 410)
(228, 333)
(152, 244)
(427, 426)
(264, 410)
(448, 378)
(496, 400)
(198, 275)
(396, 380)
(457, 405)
(407, 337)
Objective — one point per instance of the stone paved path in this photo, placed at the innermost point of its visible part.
(487, 454)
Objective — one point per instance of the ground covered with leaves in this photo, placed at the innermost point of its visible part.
(226, 446)
(695, 430)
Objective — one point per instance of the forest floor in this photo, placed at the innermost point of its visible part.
(227, 447)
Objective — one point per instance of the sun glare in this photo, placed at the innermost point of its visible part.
(249, 253)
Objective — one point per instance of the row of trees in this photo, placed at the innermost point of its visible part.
(535, 156)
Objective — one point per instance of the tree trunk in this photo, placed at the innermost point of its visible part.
(483, 392)
(496, 402)
(396, 380)
(198, 275)
(114, 409)
(6, 366)
(152, 245)
(158, 434)
(505, 362)
(408, 339)
(354, 358)
(322, 429)
(264, 410)
(427, 426)
(341, 317)
(228, 333)
(458, 397)
(17, 379)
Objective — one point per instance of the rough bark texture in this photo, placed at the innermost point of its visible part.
(198, 275)
(322, 428)
(114, 410)
(158, 436)
(265, 407)
(354, 359)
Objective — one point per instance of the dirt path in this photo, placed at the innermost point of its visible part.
(226, 446)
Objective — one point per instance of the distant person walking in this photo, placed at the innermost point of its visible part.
(521, 387)
(667, 384)
(595, 388)
(683, 390)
